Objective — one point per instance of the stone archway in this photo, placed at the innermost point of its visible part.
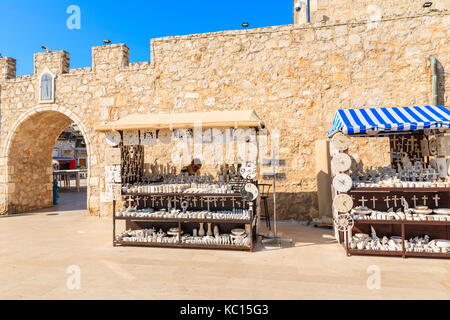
(28, 152)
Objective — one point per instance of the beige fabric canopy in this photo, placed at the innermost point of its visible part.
(210, 119)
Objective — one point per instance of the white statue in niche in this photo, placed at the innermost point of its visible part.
(46, 86)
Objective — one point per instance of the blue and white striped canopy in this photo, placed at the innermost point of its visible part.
(389, 120)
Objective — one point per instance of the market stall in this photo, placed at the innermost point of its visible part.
(164, 207)
(401, 209)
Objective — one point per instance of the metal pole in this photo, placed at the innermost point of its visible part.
(434, 79)
(274, 196)
(308, 12)
(275, 238)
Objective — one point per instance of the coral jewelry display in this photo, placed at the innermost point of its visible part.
(400, 209)
(184, 209)
(235, 214)
(237, 237)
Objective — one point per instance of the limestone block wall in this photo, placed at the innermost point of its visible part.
(295, 77)
(112, 56)
(56, 61)
(372, 10)
(7, 68)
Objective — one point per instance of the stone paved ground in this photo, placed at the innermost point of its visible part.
(37, 248)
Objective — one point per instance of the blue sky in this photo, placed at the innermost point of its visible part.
(25, 25)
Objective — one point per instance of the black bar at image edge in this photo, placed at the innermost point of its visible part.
(216, 309)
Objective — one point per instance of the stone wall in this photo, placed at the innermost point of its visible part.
(295, 77)
(56, 61)
(371, 10)
(7, 68)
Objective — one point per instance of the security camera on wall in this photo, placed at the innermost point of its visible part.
(299, 4)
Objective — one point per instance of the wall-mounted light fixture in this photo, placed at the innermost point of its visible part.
(245, 24)
(427, 4)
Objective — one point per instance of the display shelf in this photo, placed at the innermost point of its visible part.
(444, 227)
(183, 245)
(144, 244)
(185, 220)
(405, 222)
(181, 194)
(384, 198)
(403, 189)
(428, 254)
(135, 220)
(216, 246)
(374, 252)
(357, 252)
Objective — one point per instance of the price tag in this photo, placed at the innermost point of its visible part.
(130, 137)
(148, 137)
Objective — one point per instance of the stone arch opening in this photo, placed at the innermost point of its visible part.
(28, 154)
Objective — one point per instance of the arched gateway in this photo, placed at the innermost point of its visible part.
(36, 108)
(27, 151)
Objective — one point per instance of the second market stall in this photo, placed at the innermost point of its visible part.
(401, 209)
